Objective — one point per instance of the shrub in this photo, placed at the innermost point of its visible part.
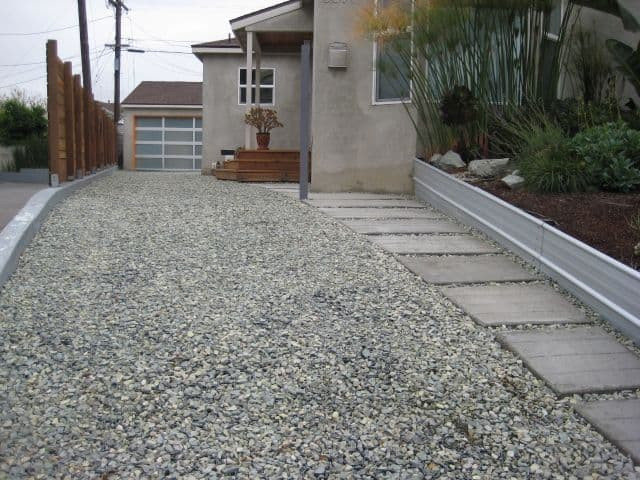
(19, 121)
(30, 153)
(612, 155)
(548, 164)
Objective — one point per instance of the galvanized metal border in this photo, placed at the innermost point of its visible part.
(608, 286)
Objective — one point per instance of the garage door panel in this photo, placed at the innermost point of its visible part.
(178, 163)
(149, 149)
(145, 163)
(168, 143)
(178, 136)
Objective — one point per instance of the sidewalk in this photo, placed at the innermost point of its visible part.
(14, 196)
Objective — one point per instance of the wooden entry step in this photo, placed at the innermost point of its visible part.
(262, 166)
(256, 175)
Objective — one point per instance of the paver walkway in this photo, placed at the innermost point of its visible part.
(586, 360)
(172, 326)
(14, 196)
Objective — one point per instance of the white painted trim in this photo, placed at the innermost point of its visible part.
(272, 87)
(168, 107)
(374, 83)
(210, 50)
(260, 17)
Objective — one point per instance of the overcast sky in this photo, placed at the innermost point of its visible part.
(169, 25)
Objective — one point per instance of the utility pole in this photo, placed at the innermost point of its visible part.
(119, 5)
(84, 45)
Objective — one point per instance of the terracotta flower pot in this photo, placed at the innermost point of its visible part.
(263, 140)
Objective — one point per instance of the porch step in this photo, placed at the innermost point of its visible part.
(256, 175)
(288, 165)
(270, 155)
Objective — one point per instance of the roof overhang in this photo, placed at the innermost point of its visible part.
(265, 14)
(180, 107)
(224, 50)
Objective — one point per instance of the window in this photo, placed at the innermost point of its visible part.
(168, 143)
(391, 70)
(267, 86)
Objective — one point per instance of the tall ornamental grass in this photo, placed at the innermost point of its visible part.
(503, 51)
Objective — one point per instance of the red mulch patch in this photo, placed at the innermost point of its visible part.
(600, 219)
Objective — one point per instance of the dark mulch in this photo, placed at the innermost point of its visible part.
(600, 220)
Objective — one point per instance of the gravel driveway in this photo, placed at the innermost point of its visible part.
(168, 325)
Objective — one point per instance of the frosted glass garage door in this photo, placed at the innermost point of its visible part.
(168, 143)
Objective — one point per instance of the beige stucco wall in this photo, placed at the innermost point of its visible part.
(129, 114)
(223, 121)
(356, 145)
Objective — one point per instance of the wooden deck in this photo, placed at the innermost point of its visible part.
(261, 166)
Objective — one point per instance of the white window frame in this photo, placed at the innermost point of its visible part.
(272, 87)
(374, 83)
(162, 129)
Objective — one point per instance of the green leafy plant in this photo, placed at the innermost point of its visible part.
(612, 155)
(548, 164)
(19, 121)
(263, 119)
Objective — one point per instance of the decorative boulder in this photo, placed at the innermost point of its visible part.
(513, 180)
(449, 160)
(488, 168)
(435, 158)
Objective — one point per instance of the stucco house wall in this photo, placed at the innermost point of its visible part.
(356, 145)
(223, 122)
(128, 116)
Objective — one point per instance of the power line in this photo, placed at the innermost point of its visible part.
(18, 34)
(38, 63)
(24, 81)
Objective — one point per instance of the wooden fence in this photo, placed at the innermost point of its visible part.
(82, 137)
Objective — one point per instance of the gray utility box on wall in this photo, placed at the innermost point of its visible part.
(338, 55)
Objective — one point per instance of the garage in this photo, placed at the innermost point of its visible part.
(162, 127)
(168, 143)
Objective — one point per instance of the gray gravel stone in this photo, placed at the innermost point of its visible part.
(168, 325)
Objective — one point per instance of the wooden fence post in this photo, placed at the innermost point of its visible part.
(78, 104)
(52, 106)
(69, 121)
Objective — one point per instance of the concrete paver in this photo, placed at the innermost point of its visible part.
(406, 226)
(466, 269)
(618, 420)
(514, 304)
(365, 203)
(381, 212)
(14, 196)
(580, 360)
(433, 244)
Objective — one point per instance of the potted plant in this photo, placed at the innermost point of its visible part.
(265, 120)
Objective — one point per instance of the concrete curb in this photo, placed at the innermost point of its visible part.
(19, 232)
(608, 286)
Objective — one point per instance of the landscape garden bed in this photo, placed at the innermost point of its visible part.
(602, 220)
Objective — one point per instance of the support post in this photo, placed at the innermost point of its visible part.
(84, 45)
(78, 104)
(69, 122)
(53, 106)
(248, 130)
(116, 94)
(305, 114)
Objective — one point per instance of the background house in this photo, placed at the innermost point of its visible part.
(163, 126)
(361, 136)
